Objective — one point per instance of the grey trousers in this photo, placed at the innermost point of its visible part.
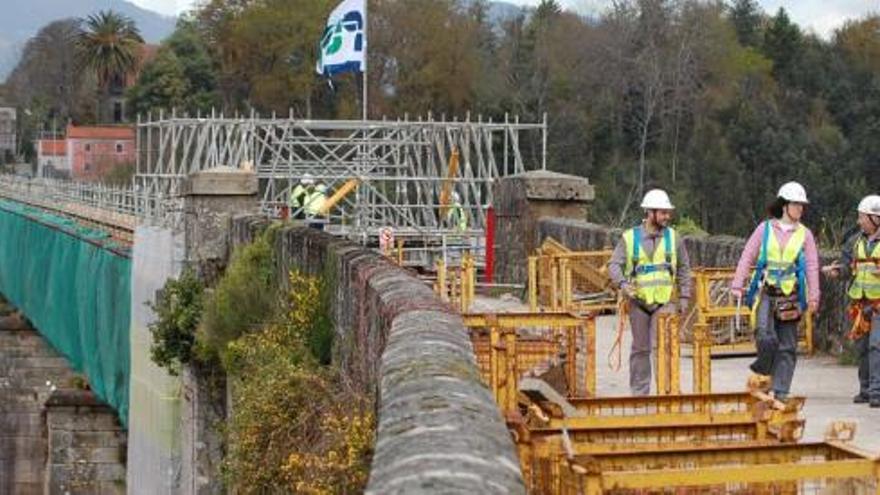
(868, 350)
(777, 348)
(644, 339)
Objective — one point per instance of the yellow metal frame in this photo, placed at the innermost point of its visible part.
(704, 346)
(668, 375)
(455, 284)
(650, 425)
(505, 345)
(722, 466)
(712, 468)
(552, 272)
(610, 413)
(707, 311)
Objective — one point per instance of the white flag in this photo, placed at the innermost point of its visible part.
(343, 47)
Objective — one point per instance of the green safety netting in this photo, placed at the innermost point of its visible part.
(73, 283)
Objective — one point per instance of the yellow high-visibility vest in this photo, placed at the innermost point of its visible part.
(653, 278)
(866, 272)
(781, 270)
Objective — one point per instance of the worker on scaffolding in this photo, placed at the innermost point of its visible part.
(860, 260)
(645, 267)
(307, 198)
(314, 204)
(299, 196)
(455, 215)
(784, 285)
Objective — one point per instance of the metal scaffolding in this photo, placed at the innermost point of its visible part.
(402, 166)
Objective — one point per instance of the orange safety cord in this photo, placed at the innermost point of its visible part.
(622, 316)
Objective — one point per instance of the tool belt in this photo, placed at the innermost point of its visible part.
(861, 312)
(785, 308)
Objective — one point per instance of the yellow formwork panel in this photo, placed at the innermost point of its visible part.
(565, 280)
(457, 284)
(510, 345)
(610, 413)
(728, 325)
(820, 468)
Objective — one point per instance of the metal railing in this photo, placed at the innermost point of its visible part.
(102, 206)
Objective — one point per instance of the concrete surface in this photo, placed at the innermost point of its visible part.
(828, 387)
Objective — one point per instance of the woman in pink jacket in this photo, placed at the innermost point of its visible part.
(782, 257)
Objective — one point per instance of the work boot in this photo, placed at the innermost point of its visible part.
(875, 402)
(861, 399)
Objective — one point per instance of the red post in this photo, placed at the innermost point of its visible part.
(490, 244)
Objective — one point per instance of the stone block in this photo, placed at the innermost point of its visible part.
(25, 488)
(221, 181)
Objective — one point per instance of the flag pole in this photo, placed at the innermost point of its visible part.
(366, 55)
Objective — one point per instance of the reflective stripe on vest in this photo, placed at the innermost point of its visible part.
(782, 269)
(314, 202)
(866, 272)
(653, 278)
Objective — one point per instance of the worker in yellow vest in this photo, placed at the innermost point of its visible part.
(646, 264)
(300, 194)
(456, 215)
(782, 257)
(314, 202)
(860, 260)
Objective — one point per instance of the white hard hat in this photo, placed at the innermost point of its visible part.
(321, 188)
(657, 199)
(793, 193)
(307, 179)
(870, 205)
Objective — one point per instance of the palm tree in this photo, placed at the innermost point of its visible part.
(108, 44)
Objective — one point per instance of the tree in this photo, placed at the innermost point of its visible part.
(182, 76)
(108, 44)
(418, 74)
(746, 17)
(782, 44)
(46, 74)
(162, 85)
(269, 54)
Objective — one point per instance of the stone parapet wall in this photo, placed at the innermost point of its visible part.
(439, 429)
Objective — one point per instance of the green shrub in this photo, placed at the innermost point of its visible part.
(244, 300)
(296, 426)
(178, 311)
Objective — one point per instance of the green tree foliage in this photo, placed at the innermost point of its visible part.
(162, 85)
(719, 102)
(178, 312)
(243, 301)
(181, 77)
(108, 45)
(745, 15)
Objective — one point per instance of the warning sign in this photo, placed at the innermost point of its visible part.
(386, 239)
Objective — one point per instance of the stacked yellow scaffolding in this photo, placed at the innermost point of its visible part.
(570, 441)
(457, 284)
(564, 280)
(509, 345)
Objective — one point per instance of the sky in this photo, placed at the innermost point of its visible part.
(820, 16)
